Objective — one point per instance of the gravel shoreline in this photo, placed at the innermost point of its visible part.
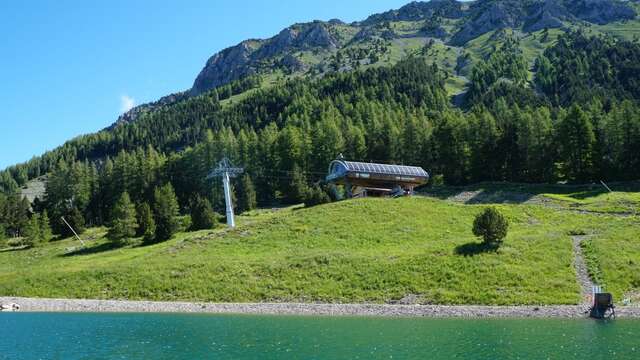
(436, 311)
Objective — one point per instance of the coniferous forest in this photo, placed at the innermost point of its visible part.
(576, 120)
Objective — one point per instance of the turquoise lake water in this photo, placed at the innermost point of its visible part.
(171, 336)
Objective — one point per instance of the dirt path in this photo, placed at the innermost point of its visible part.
(586, 283)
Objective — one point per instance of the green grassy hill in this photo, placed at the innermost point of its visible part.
(369, 250)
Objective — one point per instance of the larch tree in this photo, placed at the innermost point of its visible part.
(146, 223)
(576, 140)
(166, 212)
(124, 222)
(246, 194)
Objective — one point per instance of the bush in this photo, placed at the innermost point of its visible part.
(15, 242)
(491, 225)
(315, 195)
(202, 215)
(184, 223)
(436, 180)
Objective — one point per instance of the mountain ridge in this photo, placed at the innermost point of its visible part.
(308, 48)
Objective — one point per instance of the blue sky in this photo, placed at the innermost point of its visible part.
(71, 67)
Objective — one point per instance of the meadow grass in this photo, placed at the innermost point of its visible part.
(613, 256)
(368, 250)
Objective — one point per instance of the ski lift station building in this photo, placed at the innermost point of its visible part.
(362, 179)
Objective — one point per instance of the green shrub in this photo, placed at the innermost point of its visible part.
(315, 195)
(436, 180)
(202, 215)
(185, 223)
(491, 225)
(16, 241)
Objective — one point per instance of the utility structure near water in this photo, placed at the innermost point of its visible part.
(362, 179)
(226, 171)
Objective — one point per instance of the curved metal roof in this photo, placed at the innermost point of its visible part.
(384, 169)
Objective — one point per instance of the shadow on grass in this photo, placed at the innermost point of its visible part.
(515, 193)
(107, 246)
(475, 248)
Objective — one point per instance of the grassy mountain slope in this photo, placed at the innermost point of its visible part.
(317, 48)
(370, 250)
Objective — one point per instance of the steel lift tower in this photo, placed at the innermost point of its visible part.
(226, 171)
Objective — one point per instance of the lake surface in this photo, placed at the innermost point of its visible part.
(172, 336)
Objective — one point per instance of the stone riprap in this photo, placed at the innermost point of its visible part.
(459, 311)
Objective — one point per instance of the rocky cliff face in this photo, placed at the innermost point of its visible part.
(487, 16)
(476, 18)
(228, 65)
(601, 11)
(244, 59)
(533, 15)
(546, 14)
(417, 11)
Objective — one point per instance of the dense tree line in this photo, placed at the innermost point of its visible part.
(580, 67)
(286, 135)
(505, 62)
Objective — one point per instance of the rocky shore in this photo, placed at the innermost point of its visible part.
(461, 311)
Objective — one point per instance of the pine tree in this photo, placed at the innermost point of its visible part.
(146, 223)
(76, 220)
(32, 236)
(246, 195)
(491, 225)
(576, 140)
(124, 222)
(45, 227)
(202, 215)
(3, 233)
(298, 189)
(166, 212)
(484, 164)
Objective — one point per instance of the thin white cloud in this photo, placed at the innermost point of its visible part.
(126, 103)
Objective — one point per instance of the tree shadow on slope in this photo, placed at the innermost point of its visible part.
(484, 194)
(516, 193)
(107, 246)
(476, 248)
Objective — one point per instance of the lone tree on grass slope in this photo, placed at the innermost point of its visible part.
(491, 225)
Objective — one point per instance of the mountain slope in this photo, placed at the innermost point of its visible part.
(316, 48)
(367, 250)
(379, 91)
